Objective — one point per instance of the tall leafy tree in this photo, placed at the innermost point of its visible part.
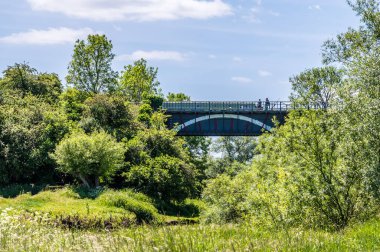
(139, 81)
(316, 86)
(90, 68)
(24, 79)
(109, 113)
(345, 47)
(321, 167)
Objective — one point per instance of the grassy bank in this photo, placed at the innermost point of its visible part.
(19, 232)
(70, 207)
(69, 220)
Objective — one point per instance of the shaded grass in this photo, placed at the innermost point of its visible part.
(15, 190)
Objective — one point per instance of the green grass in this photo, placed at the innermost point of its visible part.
(21, 232)
(97, 208)
(45, 221)
(67, 206)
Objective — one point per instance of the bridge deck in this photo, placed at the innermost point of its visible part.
(231, 106)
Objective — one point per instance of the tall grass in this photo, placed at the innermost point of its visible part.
(20, 231)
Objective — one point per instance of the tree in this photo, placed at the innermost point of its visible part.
(30, 125)
(138, 81)
(72, 103)
(240, 149)
(236, 153)
(109, 113)
(321, 168)
(346, 46)
(89, 157)
(358, 51)
(158, 164)
(177, 97)
(29, 131)
(90, 68)
(164, 177)
(23, 79)
(316, 86)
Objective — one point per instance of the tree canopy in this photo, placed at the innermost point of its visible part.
(90, 68)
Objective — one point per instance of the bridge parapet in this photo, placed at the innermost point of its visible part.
(233, 106)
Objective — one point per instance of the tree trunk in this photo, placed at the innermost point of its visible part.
(84, 180)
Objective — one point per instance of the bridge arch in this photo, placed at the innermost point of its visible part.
(223, 116)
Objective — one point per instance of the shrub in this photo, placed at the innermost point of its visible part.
(15, 190)
(163, 177)
(89, 157)
(136, 203)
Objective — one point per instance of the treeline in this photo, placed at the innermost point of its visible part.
(103, 129)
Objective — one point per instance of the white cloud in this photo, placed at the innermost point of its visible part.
(264, 73)
(137, 10)
(315, 7)
(212, 56)
(153, 55)
(237, 59)
(241, 79)
(253, 15)
(50, 36)
(274, 13)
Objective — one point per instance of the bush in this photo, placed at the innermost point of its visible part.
(163, 177)
(136, 203)
(89, 157)
(226, 198)
(15, 190)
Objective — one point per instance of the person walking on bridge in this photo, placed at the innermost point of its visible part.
(267, 104)
(259, 104)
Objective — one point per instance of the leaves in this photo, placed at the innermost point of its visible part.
(90, 68)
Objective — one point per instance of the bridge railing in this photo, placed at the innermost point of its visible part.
(234, 106)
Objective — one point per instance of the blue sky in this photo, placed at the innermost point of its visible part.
(210, 50)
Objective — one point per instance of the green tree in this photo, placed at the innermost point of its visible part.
(345, 47)
(164, 177)
(358, 51)
(138, 81)
(199, 152)
(90, 68)
(89, 158)
(321, 168)
(29, 130)
(24, 80)
(235, 148)
(72, 103)
(316, 86)
(177, 97)
(110, 113)
(198, 146)
(158, 164)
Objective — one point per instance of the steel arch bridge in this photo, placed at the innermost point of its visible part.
(224, 118)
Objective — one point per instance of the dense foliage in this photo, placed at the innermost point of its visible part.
(89, 157)
(321, 168)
